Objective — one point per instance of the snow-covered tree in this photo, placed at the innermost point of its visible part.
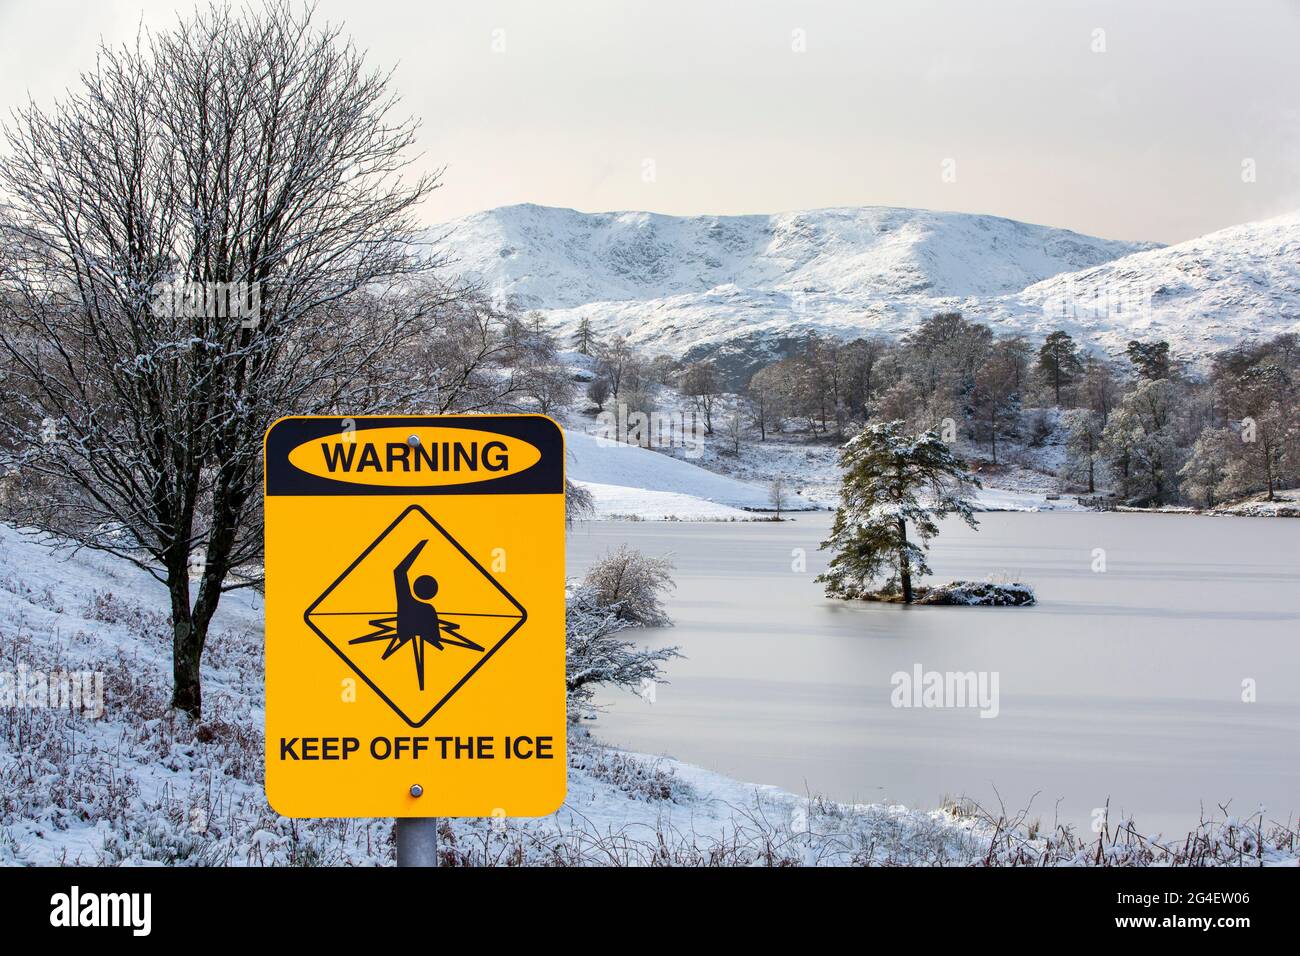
(1263, 400)
(579, 503)
(633, 584)
(217, 229)
(892, 480)
(1141, 443)
(1206, 470)
(472, 355)
(598, 392)
(994, 400)
(598, 651)
(1083, 431)
(702, 384)
(1254, 455)
(550, 386)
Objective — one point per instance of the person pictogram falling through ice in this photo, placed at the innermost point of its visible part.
(416, 621)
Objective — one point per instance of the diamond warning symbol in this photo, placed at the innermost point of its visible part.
(415, 615)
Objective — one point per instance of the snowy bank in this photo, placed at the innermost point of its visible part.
(1285, 504)
(977, 594)
(606, 463)
(638, 504)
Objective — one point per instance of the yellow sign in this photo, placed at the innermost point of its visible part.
(415, 616)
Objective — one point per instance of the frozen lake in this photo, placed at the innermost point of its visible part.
(1124, 685)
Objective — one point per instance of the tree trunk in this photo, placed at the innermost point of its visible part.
(188, 640)
(190, 623)
(904, 568)
(1092, 458)
(187, 647)
(1268, 469)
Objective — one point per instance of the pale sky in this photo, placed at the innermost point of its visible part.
(690, 106)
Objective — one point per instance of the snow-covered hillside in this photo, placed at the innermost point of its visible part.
(749, 284)
(1200, 295)
(627, 480)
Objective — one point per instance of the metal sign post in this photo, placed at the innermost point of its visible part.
(417, 841)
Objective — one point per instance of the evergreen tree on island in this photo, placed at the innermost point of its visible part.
(892, 480)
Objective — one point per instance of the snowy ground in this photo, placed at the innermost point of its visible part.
(130, 783)
(640, 504)
(1285, 504)
(627, 480)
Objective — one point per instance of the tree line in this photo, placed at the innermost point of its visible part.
(1143, 426)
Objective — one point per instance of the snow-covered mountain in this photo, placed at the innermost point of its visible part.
(1200, 295)
(748, 286)
(561, 258)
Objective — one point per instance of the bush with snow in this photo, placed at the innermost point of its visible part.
(631, 584)
(978, 594)
(598, 651)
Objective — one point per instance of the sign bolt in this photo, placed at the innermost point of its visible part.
(416, 790)
(413, 441)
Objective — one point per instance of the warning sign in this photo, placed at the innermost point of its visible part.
(415, 616)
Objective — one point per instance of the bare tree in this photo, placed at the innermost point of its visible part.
(733, 429)
(613, 360)
(1100, 386)
(703, 386)
(861, 357)
(550, 386)
(778, 495)
(765, 390)
(471, 356)
(993, 396)
(254, 158)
